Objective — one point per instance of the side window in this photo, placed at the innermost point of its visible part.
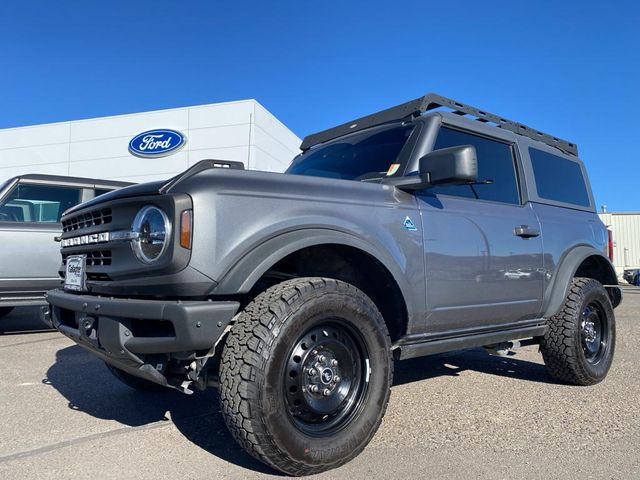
(496, 167)
(100, 191)
(38, 203)
(558, 178)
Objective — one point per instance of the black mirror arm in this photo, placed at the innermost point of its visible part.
(408, 183)
(482, 182)
(416, 182)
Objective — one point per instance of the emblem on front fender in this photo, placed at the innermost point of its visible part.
(409, 225)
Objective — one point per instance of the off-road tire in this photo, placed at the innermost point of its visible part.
(134, 382)
(253, 401)
(4, 311)
(562, 345)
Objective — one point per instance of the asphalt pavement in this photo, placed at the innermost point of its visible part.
(459, 415)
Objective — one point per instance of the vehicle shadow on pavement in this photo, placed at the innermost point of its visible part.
(90, 388)
(478, 360)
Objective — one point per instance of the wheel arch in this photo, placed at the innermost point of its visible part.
(582, 261)
(367, 262)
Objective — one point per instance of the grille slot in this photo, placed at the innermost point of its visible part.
(86, 220)
(94, 258)
(91, 276)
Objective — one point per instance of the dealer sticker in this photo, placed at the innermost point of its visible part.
(74, 278)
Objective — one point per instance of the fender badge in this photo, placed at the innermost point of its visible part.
(409, 225)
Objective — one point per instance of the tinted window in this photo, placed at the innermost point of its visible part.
(558, 179)
(38, 203)
(101, 191)
(496, 167)
(356, 157)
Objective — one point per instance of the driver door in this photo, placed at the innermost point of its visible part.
(480, 273)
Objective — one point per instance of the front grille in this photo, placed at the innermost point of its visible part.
(86, 220)
(97, 257)
(91, 276)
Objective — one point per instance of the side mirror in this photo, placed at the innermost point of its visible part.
(448, 166)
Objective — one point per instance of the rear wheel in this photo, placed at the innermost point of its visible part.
(580, 341)
(4, 311)
(134, 382)
(305, 375)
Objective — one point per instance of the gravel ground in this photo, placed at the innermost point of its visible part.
(459, 415)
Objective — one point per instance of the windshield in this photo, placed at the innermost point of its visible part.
(367, 155)
(4, 184)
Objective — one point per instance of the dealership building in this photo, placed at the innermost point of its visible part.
(152, 145)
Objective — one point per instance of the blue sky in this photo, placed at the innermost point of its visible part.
(571, 68)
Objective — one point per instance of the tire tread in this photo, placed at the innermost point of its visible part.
(243, 364)
(558, 345)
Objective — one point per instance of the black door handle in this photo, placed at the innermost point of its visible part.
(524, 231)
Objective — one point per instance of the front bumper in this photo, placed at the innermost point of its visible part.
(140, 336)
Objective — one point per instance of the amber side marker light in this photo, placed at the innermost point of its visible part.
(185, 228)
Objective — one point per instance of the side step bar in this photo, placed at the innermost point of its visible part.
(411, 349)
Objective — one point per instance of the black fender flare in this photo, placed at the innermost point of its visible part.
(559, 288)
(244, 274)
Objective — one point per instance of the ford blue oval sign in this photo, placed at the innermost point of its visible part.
(157, 143)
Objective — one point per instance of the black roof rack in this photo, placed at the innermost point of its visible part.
(430, 101)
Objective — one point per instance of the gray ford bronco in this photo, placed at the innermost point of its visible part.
(410, 232)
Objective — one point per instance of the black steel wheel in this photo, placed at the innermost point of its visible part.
(325, 379)
(593, 332)
(305, 375)
(579, 344)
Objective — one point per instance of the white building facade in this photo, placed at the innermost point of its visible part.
(626, 238)
(99, 148)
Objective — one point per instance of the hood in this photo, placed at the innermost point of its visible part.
(149, 188)
(159, 186)
(206, 177)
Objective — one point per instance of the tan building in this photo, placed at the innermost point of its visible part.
(626, 238)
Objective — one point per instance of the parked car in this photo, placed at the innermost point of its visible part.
(409, 232)
(632, 276)
(30, 210)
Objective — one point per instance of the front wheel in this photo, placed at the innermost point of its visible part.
(305, 375)
(580, 340)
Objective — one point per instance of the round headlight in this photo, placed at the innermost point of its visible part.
(154, 231)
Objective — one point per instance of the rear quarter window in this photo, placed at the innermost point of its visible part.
(558, 179)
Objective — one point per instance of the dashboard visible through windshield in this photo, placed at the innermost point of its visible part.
(367, 155)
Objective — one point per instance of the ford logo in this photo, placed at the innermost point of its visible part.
(156, 143)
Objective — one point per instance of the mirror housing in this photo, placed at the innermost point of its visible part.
(448, 166)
